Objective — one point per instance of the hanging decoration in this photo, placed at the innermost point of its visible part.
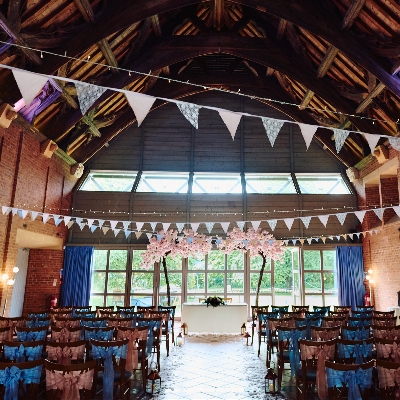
(379, 213)
(395, 143)
(323, 219)
(306, 221)
(272, 128)
(29, 84)
(272, 223)
(231, 121)
(372, 141)
(190, 112)
(87, 95)
(240, 224)
(225, 226)
(308, 132)
(340, 137)
(341, 217)
(289, 222)
(140, 104)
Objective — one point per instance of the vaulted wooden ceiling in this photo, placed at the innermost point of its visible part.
(337, 60)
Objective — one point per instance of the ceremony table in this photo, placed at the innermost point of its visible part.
(222, 319)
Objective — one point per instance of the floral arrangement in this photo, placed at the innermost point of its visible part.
(214, 301)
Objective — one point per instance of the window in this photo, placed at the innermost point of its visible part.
(163, 183)
(270, 184)
(217, 183)
(109, 181)
(142, 282)
(322, 184)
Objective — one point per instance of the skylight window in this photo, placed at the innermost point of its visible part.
(322, 184)
(109, 181)
(217, 183)
(270, 184)
(158, 182)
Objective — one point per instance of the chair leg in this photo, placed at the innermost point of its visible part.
(167, 342)
(252, 332)
(173, 335)
(259, 343)
(298, 388)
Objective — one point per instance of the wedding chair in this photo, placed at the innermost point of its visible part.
(81, 309)
(66, 334)
(23, 351)
(153, 335)
(67, 322)
(324, 333)
(279, 309)
(12, 323)
(323, 311)
(85, 314)
(355, 333)
(100, 309)
(118, 322)
(365, 308)
(388, 349)
(263, 317)
(108, 314)
(386, 332)
(129, 310)
(288, 349)
(384, 321)
(172, 310)
(110, 371)
(343, 379)
(66, 353)
(31, 334)
(59, 314)
(20, 380)
(359, 322)
(386, 314)
(342, 309)
(354, 351)
(37, 322)
(313, 355)
(336, 314)
(63, 309)
(272, 339)
(361, 314)
(165, 325)
(389, 379)
(144, 310)
(308, 323)
(300, 309)
(40, 314)
(254, 311)
(73, 382)
(94, 322)
(98, 333)
(6, 333)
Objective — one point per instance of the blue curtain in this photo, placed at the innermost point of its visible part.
(77, 275)
(350, 275)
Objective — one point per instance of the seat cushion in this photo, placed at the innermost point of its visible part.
(285, 355)
(311, 374)
(117, 376)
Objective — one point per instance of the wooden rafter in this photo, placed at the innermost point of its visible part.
(109, 55)
(86, 10)
(155, 22)
(218, 14)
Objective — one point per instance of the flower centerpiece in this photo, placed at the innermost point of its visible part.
(214, 301)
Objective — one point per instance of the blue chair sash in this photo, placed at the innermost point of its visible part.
(130, 315)
(365, 309)
(106, 354)
(353, 379)
(38, 315)
(37, 324)
(153, 325)
(359, 334)
(96, 323)
(265, 316)
(360, 323)
(359, 351)
(10, 377)
(19, 354)
(31, 336)
(294, 335)
(99, 334)
(360, 314)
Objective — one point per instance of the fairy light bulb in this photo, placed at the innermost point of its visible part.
(10, 282)
(4, 277)
(15, 270)
(368, 278)
(370, 271)
(371, 281)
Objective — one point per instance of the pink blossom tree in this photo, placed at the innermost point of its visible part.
(255, 242)
(169, 243)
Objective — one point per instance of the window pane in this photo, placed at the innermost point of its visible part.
(278, 184)
(295, 255)
(174, 263)
(115, 300)
(331, 300)
(96, 301)
(118, 259)
(175, 301)
(283, 275)
(235, 260)
(198, 262)
(322, 184)
(163, 183)
(283, 298)
(109, 181)
(313, 300)
(312, 282)
(236, 298)
(175, 283)
(312, 259)
(141, 301)
(256, 263)
(137, 260)
(217, 183)
(196, 282)
(116, 282)
(235, 282)
(265, 283)
(142, 282)
(329, 259)
(98, 282)
(215, 283)
(216, 260)
(330, 284)
(100, 259)
(197, 299)
(263, 300)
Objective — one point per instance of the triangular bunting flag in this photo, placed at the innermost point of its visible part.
(396, 209)
(309, 240)
(195, 226)
(180, 226)
(209, 226)
(105, 229)
(165, 226)
(57, 221)
(127, 233)
(138, 234)
(358, 234)
(101, 222)
(323, 238)
(89, 222)
(153, 225)
(5, 210)
(34, 214)
(69, 224)
(87, 95)
(379, 212)
(272, 128)
(338, 237)
(308, 132)
(113, 224)
(256, 224)
(29, 84)
(376, 231)
(306, 221)
(272, 223)
(240, 224)
(24, 213)
(341, 217)
(66, 219)
(395, 143)
(360, 215)
(93, 228)
(225, 226)
(301, 241)
(289, 222)
(231, 120)
(126, 224)
(323, 219)
(286, 242)
(149, 235)
(350, 235)
(294, 241)
(116, 231)
(82, 225)
(159, 237)
(45, 217)
(190, 112)
(140, 104)
(180, 238)
(372, 140)
(340, 137)
(14, 210)
(78, 220)
(139, 225)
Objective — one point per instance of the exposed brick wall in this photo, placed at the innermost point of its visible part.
(29, 180)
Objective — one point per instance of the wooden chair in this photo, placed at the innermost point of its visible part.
(388, 349)
(359, 322)
(154, 326)
(59, 314)
(31, 334)
(39, 314)
(325, 333)
(66, 353)
(355, 333)
(66, 377)
(340, 375)
(254, 310)
(165, 329)
(94, 322)
(85, 314)
(37, 322)
(361, 314)
(81, 309)
(28, 380)
(389, 383)
(308, 323)
(279, 309)
(101, 333)
(342, 309)
(6, 333)
(272, 334)
(144, 310)
(65, 309)
(172, 310)
(365, 308)
(12, 323)
(386, 314)
(129, 310)
(17, 352)
(384, 321)
(300, 309)
(354, 351)
(333, 321)
(337, 314)
(66, 334)
(111, 352)
(313, 355)
(69, 322)
(323, 311)
(100, 309)
(386, 332)
(263, 325)
(118, 322)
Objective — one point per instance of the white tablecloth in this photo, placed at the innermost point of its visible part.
(221, 319)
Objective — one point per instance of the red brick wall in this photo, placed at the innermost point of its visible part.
(29, 180)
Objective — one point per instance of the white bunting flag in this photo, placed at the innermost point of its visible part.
(87, 95)
(240, 224)
(341, 217)
(105, 229)
(309, 240)
(180, 226)
(308, 132)
(139, 225)
(29, 84)
(395, 143)
(286, 242)
(396, 209)
(24, 213)
(149, 235)
(165, 226)
(78, 220)
(69, 224)
(350, 235)
(372, 140)
(66, 219)
(57, 221)
(195, 226)
(340, 137)
(180, 238)
(140, 104)
(5, 210)
(376, 231)
(231, 120)
(153, 225)
(225, 226)
(323, 219)
(272, 128)
(101, 222)
(45, 217)
(82, 225)
(256, 224)
(138, 234)
(89, 222)
(113, 224)
(272, 223)
(289, 222)
(306, 221)
(358, 234)
(34, 214)
(360, 215)
(338, 237)
(14, 211)
(209, 226)
(379, 212)
(116, 231)
(190, 112)
(126, 224)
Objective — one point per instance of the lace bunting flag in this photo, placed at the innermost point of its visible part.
(180, 226)
(341, 217)
(395, 143)
(306, 221)
(340, 137)
(272, 128)
(87, 95)
(190, 112)
(240, 224)
(195, 226)
(272, 223)
(209, 226)
(379, 213)
(153, 225)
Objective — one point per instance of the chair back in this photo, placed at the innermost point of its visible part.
(361, 314)
(386, 314)
(65, 309)
(323, 311)
(137, 345)
(129, 310)
(85, 314)
(100, 333)
(355, 333)
(384, 321)
(274, 323)
(357, 378)
(144, 310)
(37, 322)
(291, 315)
(388, 349)
(59, 314)
(336, 314)
(73, 381)
(256, 309)
(325, 333)
(263, 317)
(279, 309)
(94, 322)
(389, 379)
(23, 351)
(66, 334)
(300, 309)
(40, 314)
(6, 333)
(359, 322)
(107, 314)
(354, 351)
(67, 322)
(116, 323)
(308, 323)
(365, 308)
(19, 321)
(333, 321)
(31, 334)
(154, 326)
(100, 309)
(81, 309)
(386, 332)
(342, 309)
(66, 353)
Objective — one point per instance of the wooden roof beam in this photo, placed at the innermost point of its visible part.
(85, 8)
(155, 22)
(352, 13)
(105, 48)
(218, 14)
